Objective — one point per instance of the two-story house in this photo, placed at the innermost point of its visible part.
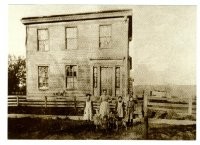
(78, 53)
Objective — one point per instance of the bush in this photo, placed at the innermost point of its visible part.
(172, 115)
(16, 75)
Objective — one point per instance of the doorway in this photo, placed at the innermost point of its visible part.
(106, 80)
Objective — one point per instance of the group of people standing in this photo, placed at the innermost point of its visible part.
(121, 110)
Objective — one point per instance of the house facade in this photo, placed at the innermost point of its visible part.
(78, 54)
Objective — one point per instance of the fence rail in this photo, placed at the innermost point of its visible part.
(181, 106)
(51, 102)
(186, 106)
(178, 105)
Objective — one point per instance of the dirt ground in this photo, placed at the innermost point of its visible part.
(59, 129)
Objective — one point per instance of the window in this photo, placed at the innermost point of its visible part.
(43, 77)
(71, 38)
(105, 36)
(95, 77)
(71, 77)
(43, 36)
(117, 77)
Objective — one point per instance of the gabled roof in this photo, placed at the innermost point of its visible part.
(77, 16)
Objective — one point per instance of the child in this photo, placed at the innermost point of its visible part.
(130, 110)
(97, 119)
(120, 108)
(104, 108)
(88, 108)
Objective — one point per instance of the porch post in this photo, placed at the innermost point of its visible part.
(91, 78)
(122, 80)
(126, 77)
(113, 82)
(99, 80)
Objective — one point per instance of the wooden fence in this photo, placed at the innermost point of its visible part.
(65, 102)
(184, 106)
(68, 102)
(181, 106)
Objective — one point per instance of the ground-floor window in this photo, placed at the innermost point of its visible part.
(43, 79)
(71, 77)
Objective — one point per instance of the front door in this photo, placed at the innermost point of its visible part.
(106, 80)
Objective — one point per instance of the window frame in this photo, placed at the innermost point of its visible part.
(110, 25)
(66, 76)
(66, 48)
(39, 77)
(38, 46)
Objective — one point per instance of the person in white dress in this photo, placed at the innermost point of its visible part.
(104, 108)
(120, 108)
(88, 108)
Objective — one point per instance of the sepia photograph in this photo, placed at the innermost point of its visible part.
(101, 72)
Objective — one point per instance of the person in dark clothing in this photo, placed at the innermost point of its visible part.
(130, 110)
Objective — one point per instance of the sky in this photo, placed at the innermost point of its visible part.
(163, 47)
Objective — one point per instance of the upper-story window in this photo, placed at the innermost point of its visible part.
(105, 36)
(71, 38)
(43, 37)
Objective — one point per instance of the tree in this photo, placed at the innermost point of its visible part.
(16, 74)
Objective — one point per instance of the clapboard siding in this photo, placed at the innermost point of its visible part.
(59, 56)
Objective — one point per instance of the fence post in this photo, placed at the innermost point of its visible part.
(17, 100)
(145, 109)
(190, 106)
(45, 101)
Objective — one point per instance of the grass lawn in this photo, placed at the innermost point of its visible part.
(37, 128)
